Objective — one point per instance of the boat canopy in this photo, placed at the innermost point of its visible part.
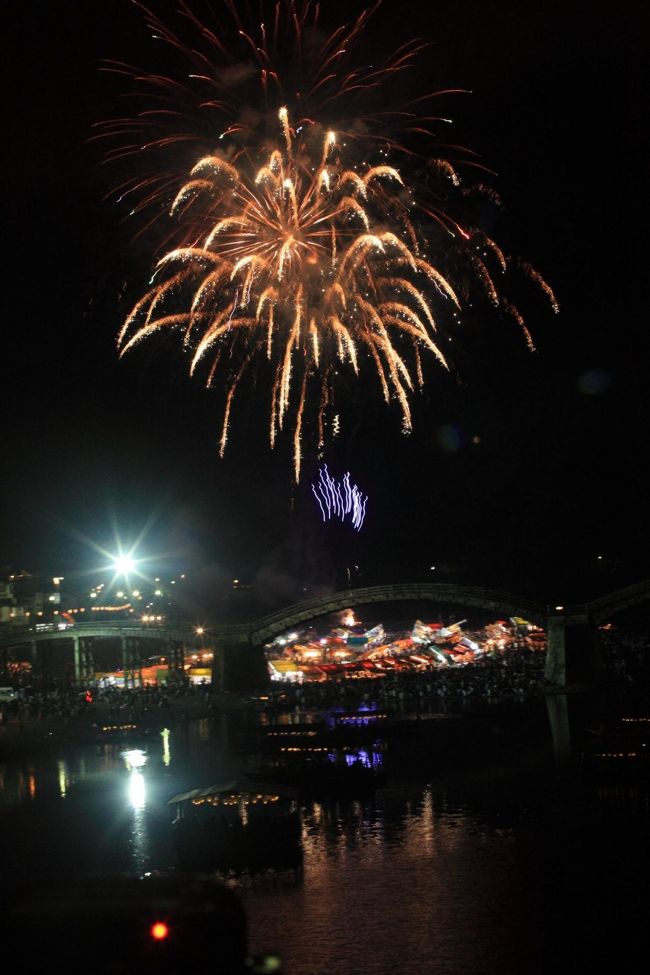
(237, 787)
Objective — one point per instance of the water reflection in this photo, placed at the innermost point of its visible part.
(134, 758)
(458, 875)
(166, 755)
(137, 790)
(64, 781)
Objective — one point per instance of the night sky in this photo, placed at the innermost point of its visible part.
(558, 474)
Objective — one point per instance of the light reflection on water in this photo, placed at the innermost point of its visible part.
(414, 880)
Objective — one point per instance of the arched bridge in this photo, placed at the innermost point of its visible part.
(572, 648)
(491, 600)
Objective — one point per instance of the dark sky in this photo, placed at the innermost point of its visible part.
(94, 446)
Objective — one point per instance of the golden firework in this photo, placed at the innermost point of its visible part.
(311, 263)
(300, 247)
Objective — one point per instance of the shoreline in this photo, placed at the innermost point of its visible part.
(23, 737)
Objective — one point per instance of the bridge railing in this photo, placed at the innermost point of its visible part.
(226, 632)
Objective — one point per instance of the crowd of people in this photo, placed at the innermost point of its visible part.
(626, 656)
(513, 676)
(66, 705)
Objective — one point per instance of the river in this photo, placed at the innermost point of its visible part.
(515, 868)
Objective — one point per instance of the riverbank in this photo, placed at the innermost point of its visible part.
(22, 735)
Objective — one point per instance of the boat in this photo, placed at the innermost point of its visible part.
(367, 716)
(237, 826)
(322, 772)
(120, 733)
(618, 749)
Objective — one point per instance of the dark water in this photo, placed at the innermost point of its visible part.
(504, 870)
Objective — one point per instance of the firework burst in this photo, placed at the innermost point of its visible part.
(297, 244)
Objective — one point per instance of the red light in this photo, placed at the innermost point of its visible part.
(159, 931)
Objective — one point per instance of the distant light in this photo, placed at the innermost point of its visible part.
(599, 557)
(136, 592)
(272, 963)
(159, 931)
(200, 631)
(432, 568)
(559, 608)
(57, 580)
(157, 592)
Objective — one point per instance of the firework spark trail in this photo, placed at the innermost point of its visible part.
(339, 498)
(292, 243)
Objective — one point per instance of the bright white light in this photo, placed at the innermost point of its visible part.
(123, 565)
(134, 758)
(137, 790)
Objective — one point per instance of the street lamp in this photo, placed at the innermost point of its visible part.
(123, 565)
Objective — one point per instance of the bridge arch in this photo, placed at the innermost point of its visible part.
(603, 608)
(506, 604)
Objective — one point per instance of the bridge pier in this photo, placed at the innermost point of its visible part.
(557, 709)
(218, 675)
(242, 667)
(84, 661)
(41, 660)
(131, 662)
(175, 653)
(573, 650)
